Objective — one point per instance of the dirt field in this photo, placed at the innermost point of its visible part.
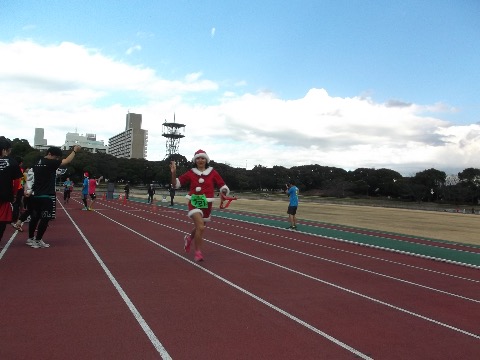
(456, 227)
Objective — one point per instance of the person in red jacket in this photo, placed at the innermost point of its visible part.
(17, 204)
(202, 181)
(10, 175)
(92, 188)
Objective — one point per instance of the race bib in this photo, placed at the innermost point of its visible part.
(199, 201)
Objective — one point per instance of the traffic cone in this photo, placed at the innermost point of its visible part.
(124, 200)
(119, 197)
(104, 196)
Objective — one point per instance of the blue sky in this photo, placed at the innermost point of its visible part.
(340, 83)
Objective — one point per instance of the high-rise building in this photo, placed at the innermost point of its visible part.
(39, 141)
(132, 143)
(88, 143)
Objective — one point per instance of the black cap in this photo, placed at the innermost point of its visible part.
(5, 144)
(55, 151)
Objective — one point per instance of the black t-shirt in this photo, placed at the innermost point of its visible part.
(45, 174)
(9, 171)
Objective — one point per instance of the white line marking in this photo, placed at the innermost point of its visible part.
(246, 292)
(7, 245)
(347, 251)
(351, 266)
(352, 292)
(296, 272)
(148, 331)
(370, 245)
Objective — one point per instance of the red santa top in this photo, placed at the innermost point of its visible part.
(202, 182)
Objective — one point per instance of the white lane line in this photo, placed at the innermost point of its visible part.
(148, 331)
(350, 266)
(353, 292)
(378, 247)
(7, 245)
(246, 292)
(451, 327)
(316, 244)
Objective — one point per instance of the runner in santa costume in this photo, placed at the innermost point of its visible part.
(202, 181)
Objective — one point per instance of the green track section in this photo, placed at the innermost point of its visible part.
(434, 251)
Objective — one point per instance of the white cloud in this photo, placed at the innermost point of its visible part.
(212, 32)
(70, 87)
(130, 50)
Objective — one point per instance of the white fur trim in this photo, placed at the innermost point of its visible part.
(202, 154)
(193, 211)
(225, 187)
(205, 172)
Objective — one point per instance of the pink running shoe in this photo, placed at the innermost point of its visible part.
(188, 241)
(198, 256)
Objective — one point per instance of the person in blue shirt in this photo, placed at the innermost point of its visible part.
(292, 192)
(85, 191)
(67, 190)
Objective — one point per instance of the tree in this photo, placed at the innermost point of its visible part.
(432, 181)
(427, 185)
(259, 178)
(470, 180)
(388, 182)
(23, 149)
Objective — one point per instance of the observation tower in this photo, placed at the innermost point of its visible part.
(173, 132)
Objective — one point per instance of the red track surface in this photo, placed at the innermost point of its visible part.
(116, 284)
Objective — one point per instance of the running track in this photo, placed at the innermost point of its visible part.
(116, 284)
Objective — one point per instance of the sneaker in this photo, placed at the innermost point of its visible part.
(290, 227)
(39, 244)
(85, 209)
(198, 256)
(30, 241)
(294, 227)
(188, 242)
(17, 227)
(28, 219)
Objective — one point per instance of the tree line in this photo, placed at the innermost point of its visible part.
(430, 185)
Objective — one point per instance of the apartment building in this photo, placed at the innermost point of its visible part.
(131, 143)
(88, 142)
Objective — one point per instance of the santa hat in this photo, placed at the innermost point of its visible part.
(200, 153)
(85, 174)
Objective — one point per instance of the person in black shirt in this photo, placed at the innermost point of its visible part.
(172, 194)
(43, 190)
(151, 192)
(10, 175)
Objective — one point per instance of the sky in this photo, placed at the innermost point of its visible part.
(342, 83)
